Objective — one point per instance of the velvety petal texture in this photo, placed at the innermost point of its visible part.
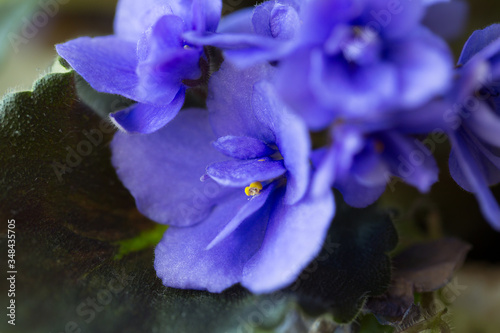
(182, 259)
(240, 173)
(162, 170)
(294, 236)
(107, 63)
(147, 118)
(242, 147)
(291, 138)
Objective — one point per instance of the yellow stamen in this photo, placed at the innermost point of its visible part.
(253, 189)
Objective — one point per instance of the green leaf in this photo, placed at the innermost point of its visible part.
(142, 241)
(353, 264)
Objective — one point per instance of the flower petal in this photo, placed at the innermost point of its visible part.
(162, 170)
(292, 138)
(410, 161)
(182, 260)
(485, 123)
(486, 161)
(107, 63)
(147, 118)
(239, 21)
(355, 193)
(294, 236)
(404, 18)
(476, 178)
(135, 17)
(253, 205)
(478, 41)
(242, 147)
(168, 62)
(422, 58)
(230, 101)
(446, 18)
(239, 173)
(206, 14)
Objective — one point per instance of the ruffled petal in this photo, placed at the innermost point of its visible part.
(394, 19)
(107, 63)
(242, 147)
(206, 14)
(168, 62)
(352, 91)
(239, 173)
(162, 170)
(291, 137)
(147, 118)
(134, 17)
(293, 82)
(294, 236)
(183, 261)
(422, 58)
(230, 101)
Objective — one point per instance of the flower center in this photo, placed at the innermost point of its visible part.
(363, 46)
(253, 189)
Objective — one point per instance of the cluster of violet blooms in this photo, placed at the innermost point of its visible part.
(247, 198)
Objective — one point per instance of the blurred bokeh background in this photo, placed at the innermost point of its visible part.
(29, 29)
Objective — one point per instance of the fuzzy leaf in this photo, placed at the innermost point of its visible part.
(421, 268)
(353, 264)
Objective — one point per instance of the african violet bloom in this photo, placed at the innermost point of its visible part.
(339, 58)
(250, 218)
(365, 154)
(474, 119)
(147, 59)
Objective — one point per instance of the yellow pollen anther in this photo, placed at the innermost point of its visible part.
(253, 189)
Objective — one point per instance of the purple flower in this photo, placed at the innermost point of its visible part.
(147, 59)
(343, 58)
(474, 120)
(366, 154)
(250, 218)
